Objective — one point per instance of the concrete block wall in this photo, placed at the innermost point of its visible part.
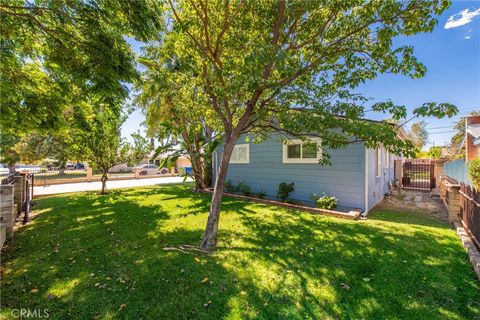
(7, 209)
(450, 195)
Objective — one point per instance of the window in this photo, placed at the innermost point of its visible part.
(240, 153)
(387, 159)
(378, 159)
(298, 151)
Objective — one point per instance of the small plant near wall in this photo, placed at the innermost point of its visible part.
(261, 194)
(474, 172)
(229, 187)
(284, 190)
(324, 202)
(244, 188)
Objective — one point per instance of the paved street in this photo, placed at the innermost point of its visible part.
(97, 185)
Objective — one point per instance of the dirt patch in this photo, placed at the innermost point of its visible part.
(422, 201)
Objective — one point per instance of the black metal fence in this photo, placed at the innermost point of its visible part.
(47, 177)
(418, 174)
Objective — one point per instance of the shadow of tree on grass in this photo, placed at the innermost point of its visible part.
(102, 257)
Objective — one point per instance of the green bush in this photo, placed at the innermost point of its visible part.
(284, 190)
(229, 187)
(261, 194)
(244, 188)
(474, 173)
(324, 202)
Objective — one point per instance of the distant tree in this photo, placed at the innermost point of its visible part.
(35, 147)
(418, 134)
(434, 152)
(8, 154)
(138, 149)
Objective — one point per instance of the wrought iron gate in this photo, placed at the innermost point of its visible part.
(418, 174)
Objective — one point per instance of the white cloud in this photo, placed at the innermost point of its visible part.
(467, 37)
(462, 18)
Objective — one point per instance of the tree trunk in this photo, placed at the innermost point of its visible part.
(11, 168)
(104, 182)
(209, 240)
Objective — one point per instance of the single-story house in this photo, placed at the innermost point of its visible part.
(358, 177)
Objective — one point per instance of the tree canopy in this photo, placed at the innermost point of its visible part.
(55, 55)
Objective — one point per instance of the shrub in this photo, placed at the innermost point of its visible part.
(244, 188)
(182, 171)
(324, 202)
(261, 194)
(474, 172)
(314, 197)
(284, 190)
(229, 187)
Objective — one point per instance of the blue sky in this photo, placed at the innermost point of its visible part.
(451, 54)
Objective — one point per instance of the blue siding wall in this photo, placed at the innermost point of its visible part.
(344, 179)
(457, 170)
(378, 186)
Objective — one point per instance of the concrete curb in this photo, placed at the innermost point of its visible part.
(472, 251)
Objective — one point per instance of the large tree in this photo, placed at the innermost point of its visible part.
(418, 134)
(176, 113)
(291, 67)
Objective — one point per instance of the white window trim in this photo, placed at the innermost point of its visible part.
(248, 154)
(386, 165)
(301, 142)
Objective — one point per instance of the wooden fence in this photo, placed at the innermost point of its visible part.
(470, 212)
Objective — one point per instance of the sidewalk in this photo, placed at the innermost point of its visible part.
(97, 185)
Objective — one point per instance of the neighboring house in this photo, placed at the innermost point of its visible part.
(181, 162)
(472, 137)
(358, 177)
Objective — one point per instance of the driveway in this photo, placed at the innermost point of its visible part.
(97, 185)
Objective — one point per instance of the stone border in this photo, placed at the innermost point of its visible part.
(352, 215)
(472, 251)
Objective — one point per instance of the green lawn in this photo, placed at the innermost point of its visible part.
(93, 257)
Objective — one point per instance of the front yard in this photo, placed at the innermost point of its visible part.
(100, 257)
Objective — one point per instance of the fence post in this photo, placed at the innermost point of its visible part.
(452, 201)
(89, 174)
(438, 171)
(7, 214)
(19, 192)
(398, 171)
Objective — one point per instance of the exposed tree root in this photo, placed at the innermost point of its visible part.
(186, 249)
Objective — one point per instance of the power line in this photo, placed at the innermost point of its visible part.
(442, 132)
(430, 128)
